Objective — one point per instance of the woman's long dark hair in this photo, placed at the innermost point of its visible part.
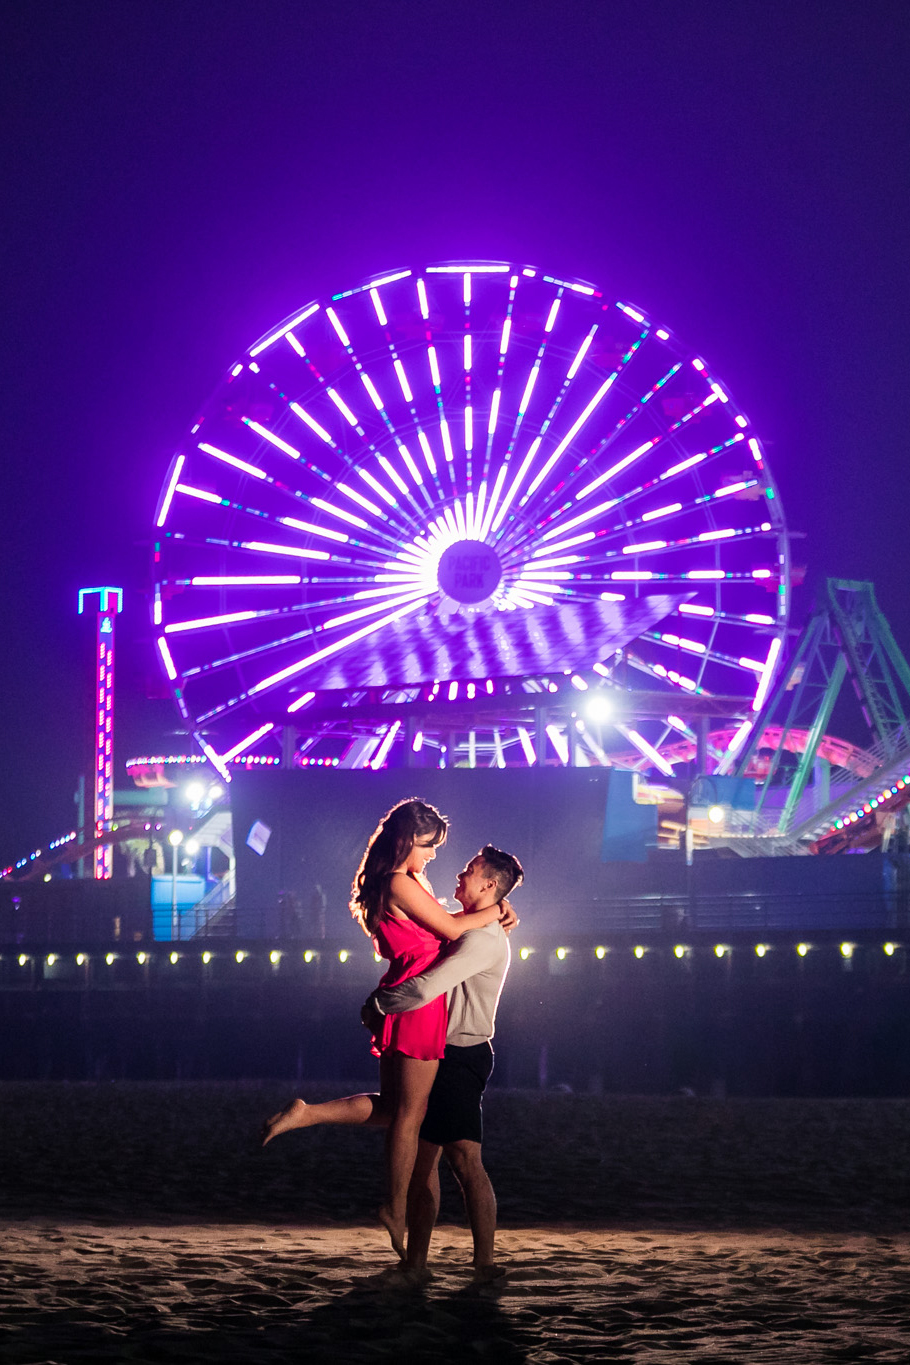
(390, 843)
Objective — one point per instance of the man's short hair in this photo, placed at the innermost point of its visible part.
(503, 867)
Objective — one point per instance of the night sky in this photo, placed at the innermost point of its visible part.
(178, 177)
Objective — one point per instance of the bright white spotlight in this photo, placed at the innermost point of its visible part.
(716, 815)
(598, 708)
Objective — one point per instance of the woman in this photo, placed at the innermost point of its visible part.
(392, 903)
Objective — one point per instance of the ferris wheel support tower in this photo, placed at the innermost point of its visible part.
(110, 603)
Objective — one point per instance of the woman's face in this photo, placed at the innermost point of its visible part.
(423, 851)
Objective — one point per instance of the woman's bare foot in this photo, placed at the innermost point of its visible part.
(294, 1115)
(395, 1229)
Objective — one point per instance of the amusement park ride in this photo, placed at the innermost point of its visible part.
(477, 515)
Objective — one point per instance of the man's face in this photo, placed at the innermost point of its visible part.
(473, 883)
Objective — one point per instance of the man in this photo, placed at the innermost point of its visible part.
(472, 973)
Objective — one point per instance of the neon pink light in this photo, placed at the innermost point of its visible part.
(380, 311)
(752, 664)
(662, 511)
(245, 580)
(390, 279)
(172, 484)
(631, 575)
(664, 336)
(494, 412)
(377, 487)
(647, 750)
(560, 744)
(339, 330)
(469, 428)
(403, 381)
(342, 406)
(705, 573)
(314, 530)
(167, 658)
(577, 521)
(393, 475)
(205, 621)
(248, 742)
(232, 460)
(611, 597)
(733, 488)
(434, 367)
(358, 498)
(758, 620)
(632, 312)
(215, 759)
(685, 464)
(554, 309)
(384, 605)
(466, 289)
(476, 269)
(198, 493)
(422, 297)
(617, 468)
(761, 573)
(646, 545)
(566, 544)
(385, 746)
(286, 327)
(267, 549)
(300, 702)
(529, 389)
(582, 352)
(311, 423)
(698, 364)
(236, 370)
(764, 681)
(275, 440)
(579, 423)
(446, 438)
(339, 512)
(716, 535)
(295, 344)
(525, 741)
(467, 345)
(371, 390)
(418, 742)
(740, 420)
(506, 333)
(412, 468)
(427, 452)
(693, 609)
(719, 393)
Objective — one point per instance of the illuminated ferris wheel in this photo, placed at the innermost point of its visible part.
(448, 445)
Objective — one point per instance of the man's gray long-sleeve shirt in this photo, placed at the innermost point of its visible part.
(471, 974)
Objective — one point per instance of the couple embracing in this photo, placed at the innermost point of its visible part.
(431, 1019)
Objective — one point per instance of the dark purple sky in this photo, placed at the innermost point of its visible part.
(178, 177)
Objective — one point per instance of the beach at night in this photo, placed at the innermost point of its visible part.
(142, 1222)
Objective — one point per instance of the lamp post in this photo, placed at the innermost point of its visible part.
(175, 839)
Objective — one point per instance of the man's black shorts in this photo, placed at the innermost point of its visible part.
(453, 1112)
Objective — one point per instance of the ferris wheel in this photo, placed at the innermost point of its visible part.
(458, 439)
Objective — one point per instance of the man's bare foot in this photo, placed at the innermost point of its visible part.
(294, 1115)
(396, 1230)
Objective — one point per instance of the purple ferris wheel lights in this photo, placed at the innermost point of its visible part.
(454, 403)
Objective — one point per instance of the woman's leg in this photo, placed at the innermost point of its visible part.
(413, 1081)
(366, 1109)
(374, 1111)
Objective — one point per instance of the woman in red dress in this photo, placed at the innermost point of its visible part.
(392, 902)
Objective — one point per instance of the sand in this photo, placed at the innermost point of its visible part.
(141, 1223)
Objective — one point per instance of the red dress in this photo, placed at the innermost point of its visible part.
(410, 949)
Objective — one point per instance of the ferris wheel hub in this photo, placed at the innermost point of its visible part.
(469, 572)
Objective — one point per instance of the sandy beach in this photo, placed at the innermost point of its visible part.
(142, 1223)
